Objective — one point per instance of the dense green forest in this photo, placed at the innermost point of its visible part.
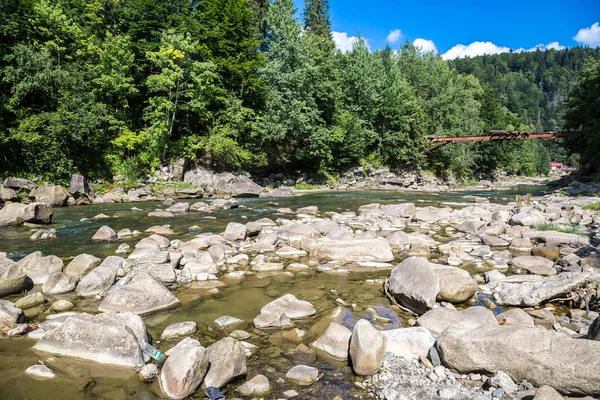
(119, 87)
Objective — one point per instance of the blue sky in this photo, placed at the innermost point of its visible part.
(482, 26)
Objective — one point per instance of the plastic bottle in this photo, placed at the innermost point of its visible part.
(152, 352)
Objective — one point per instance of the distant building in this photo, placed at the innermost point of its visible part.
(556, 166)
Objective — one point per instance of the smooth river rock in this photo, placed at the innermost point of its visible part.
(355, 250)
(12, 277)
(39, 267)
(101, 278)
(9, 314)
(335, 342)
(367, 348)
(257, 386)
(415, 284)
(410, 343)
(179, 329)
(456, 285)
(82, 265)
(437, 320)
(227, 359)
(183, 371)
(535, 265)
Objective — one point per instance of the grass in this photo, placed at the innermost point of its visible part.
(593, 206)
(172, 185)
(550, 226)
(306, 186)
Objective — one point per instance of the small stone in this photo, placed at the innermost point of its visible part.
(303, 375)
(240, 335)
(179, 329)
(448, 391)
(62, 305)
(257, 386)
(290, 394)
(148, 373)
(40, 372)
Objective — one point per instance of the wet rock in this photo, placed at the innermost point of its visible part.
(12, 277)
(148, 373)
(367, 348)
(235, 231)
(356, 250)
(53, 195)
(410, 343)
(532, 293)
(30, 301)
(548, 252)
(160, 230)
(257, 386)
(302, 375)
(535, 265)
(62, 305)
(228, 323)
(515, 317)
(536, 355)
(438, 319)
(287, 307)
(179, 329)
(9, 314)
(184, 371)
(179, 208)
(161, 214)
(95, 338)
(58, 283)
(415, 284)
(101, 278)
(40, 372)
(39, 267)
(142, 295)
(456, 285)
(227, 359)
(43, 234)
(335, 342)
(105, 233)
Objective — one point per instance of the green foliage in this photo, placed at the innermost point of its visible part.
(307, 186)
(550, 226)
(593, 206)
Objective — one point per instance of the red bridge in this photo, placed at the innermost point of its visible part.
(495, 136)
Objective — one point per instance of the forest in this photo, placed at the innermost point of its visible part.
(117, 88)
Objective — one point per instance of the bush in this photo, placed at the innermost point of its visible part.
(550, 226)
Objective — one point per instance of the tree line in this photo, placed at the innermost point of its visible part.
(116, 88)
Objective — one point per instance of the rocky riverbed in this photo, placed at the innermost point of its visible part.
(392, 300)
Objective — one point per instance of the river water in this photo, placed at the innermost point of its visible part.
(84, 380)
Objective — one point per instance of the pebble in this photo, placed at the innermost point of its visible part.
(148, 373)
(40, 372)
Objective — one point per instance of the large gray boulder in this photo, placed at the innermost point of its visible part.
(528, 218)
(7, 194)
(142, 295)
(15, 214)
(235, 231)
(236, 185)
(101, 278)
(535, 265)
(557, 238)
(407, 210)
(354, 250)
(19, 184)
(227, 359)
(79, 186)
(96, 338)
(9, 314)
(58, 283)
(198, 177)
(415, 284)
(105, 233)
(53, 195)
(410, 343)
(82, 265)
(184, 371)
(532, 293)
(289, 305)
(39, 267)
(437, 320)
(537, 355)
(456, 285)
(367, 348)
(12, 277)
(335, 342)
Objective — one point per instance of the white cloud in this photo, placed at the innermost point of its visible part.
(589, 36)
(474, 49)
(344, 42)
(425, 45)
(542, 47)
(394, 36)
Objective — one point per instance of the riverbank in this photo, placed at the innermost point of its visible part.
(272, 289)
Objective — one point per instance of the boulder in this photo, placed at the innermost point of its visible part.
(456, 285)
(53, 195)
(551, 253)
(105, 233)
(101, 278)
(367, 348)
(179, 329)
(7, 194)
(235, 231)
(537, 355)
(410, 343)
(179, 208)
(198, 177)
(437, 320)
(493, 241)
(535, 265)
(236, 185)
(40, 372)
(521, 245)
(79, 186)
(37, 213)
(39, 267)
(9, 314)
(12, 277)
(557, 238)
(594, 330)
(528, 218)
(309, 210)
(30, 301)
(415, 284)
(184, 371)
(142, 295)
(58, 283)
(532, 293)
(502, 380)
(227, 359)
(15, 214)
(82, 265)
(335, 342)
(19, 184)
(302, 375)
(515, 317)
(355, 250)
(547, 393)
(407, 210)
(290, 306)
(255, 387)
(97, 338)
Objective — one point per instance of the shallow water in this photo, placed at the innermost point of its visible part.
(84, 380)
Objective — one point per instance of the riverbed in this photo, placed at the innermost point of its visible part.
(83, 380)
